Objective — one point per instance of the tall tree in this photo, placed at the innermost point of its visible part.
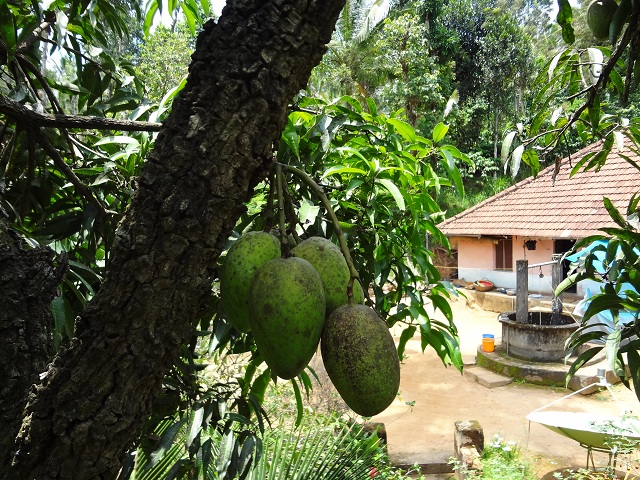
(214, 147)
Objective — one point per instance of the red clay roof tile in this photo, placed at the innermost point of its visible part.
(570, 207)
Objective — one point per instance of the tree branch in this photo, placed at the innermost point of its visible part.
(35, 119)
(67, 171)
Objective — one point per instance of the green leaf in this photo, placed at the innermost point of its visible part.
(394, 191)
(439, 132)
(620, 17)
(564, 19)
(225, 453)
(342, 169)
(206, 7)
(633, 359)
(117, 139)
(583, 358)
(594, 114)
(506, 147)
(166, 442)
(308, 212)
(615, 215)
(516, 158)
(373, 109)
(553, 64)
(616, 80)
(405, 336)
(7, 29)
(148, 18)
(190, 16)
(404, 129)
(63, 320)
(299, 404)
(196, 426)
(357, 107)
(530, 158)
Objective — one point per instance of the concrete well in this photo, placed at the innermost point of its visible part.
(541, 339)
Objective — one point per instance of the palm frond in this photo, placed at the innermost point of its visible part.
(320, 453)
(375, 14)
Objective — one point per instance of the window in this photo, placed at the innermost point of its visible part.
(504, 254)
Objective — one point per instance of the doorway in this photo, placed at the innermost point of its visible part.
(563, 246)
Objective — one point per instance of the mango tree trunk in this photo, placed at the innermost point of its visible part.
(29, 279)
(214, 147)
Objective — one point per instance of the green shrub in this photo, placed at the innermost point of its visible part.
(500, 460)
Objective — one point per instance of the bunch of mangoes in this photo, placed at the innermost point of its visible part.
(292, 304)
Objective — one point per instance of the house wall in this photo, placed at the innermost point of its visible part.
(477, 260)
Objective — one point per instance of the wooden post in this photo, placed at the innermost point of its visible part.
(522, 291)
(556, 278)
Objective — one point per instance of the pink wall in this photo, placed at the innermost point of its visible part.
(542, 253)
(477, 260)
(476, 253)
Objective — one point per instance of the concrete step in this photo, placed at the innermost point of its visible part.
(430, 463)
(485, 377)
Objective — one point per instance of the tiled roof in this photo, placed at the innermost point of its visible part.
(567, 208)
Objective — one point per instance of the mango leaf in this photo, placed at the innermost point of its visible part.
(633, 359)
(63, 320)
(583, 358)
(440, 303)
(190, 12)
(225, 453)
(196, 425)
(342, 169)
(530, 158)
(594, 114)
(394, 191)
(405, 336)
(439, 132)
(506, 147)
(242, 462)
(299, 403)
(308, 212)
(553, 64)
(615, 215)
(148, 18)
(7, 29)
(516, 158)
(119, 139)
(564, 19)
(600, 303)
(167, 441)
(404, 129)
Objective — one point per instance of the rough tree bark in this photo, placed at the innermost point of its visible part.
(29, 280)
(212, 150)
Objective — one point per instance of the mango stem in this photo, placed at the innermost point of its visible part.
(281, 219)
(319, 193)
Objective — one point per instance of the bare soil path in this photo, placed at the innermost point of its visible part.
(423, 430)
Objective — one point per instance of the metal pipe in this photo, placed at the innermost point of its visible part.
(543, 264)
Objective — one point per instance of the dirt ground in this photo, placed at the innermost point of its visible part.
(420, 423)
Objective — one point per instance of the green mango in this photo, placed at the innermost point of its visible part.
(361, 359)
(245, 256)
(287, 313)
(328, 260)
(599, 15)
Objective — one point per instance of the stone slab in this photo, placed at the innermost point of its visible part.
(430, 462)
(486, 378)
(500, 302)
